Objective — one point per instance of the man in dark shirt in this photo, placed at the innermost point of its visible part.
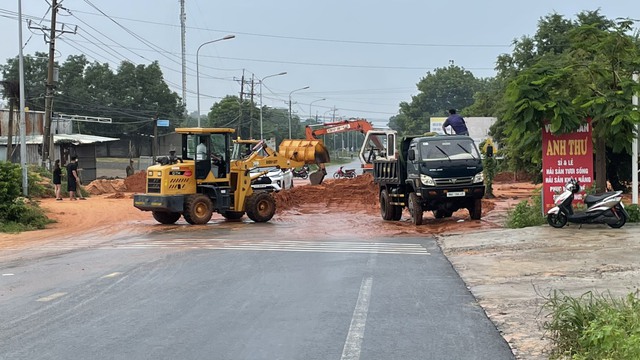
(456, 122)
(72, 177)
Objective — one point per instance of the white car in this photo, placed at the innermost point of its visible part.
(275, 180)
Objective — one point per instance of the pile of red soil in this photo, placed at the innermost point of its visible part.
(105, 186)
(134, 183)
(137, 182)
(359, 193)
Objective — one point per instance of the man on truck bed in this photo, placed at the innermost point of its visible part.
(456, 122)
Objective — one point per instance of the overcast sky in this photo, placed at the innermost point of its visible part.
(363, 57)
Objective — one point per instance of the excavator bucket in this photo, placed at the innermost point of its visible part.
(309, 152)
(316, 177)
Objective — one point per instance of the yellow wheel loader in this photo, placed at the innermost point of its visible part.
(206, 178)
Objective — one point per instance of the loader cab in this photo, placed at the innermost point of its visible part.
(209, 148)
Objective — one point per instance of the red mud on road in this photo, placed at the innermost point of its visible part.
(350, 206)
(338, 208)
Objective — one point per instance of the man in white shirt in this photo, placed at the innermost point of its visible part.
(201, 149)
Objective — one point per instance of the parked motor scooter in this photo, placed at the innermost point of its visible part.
(605, 208)
(346, 173)
(302, 173)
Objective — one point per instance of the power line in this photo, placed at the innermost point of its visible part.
(315, 39)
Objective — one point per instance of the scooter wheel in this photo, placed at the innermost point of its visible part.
(557, 220)
(622, 219)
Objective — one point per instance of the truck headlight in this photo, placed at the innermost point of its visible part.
(427, 180)
(478, 178)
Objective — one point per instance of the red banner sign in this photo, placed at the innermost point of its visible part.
(566, 156)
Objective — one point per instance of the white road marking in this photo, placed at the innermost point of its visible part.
(352, 345)
(8, 274)
(284, 245)
(113, 274)
(52, 297)
(250, 245)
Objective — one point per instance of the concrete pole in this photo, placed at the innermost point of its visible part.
(23, 121)
(48, 101)
(634, 163)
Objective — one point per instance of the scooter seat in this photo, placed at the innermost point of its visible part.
(590, 199)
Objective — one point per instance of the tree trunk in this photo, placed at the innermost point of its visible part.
(601, 164)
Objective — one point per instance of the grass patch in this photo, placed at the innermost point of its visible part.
(526, 213)
(593, 326)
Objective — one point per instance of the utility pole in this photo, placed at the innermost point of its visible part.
(183, 26)
(48, 104)
(240, 107)
(251, 110)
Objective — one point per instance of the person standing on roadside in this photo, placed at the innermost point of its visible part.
(456, 122)
(57, 179)
(130, 171)
(72, 177)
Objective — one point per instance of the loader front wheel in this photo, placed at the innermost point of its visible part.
(166, 218)
(198, 209)
(260, 206)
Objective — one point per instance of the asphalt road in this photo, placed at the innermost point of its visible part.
(179, 295)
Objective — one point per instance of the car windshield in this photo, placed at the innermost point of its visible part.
(462, 149)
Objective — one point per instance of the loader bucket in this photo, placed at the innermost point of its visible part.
(307, 151)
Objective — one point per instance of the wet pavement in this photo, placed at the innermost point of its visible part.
(511, 271)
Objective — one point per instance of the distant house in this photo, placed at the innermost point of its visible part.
(65, 144)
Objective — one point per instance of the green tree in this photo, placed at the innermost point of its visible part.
(590, 78)
(445, 88)
(35, 78)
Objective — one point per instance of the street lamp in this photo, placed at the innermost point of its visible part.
(198, 68)
(310, 114)
(261, 80)
(304, 88)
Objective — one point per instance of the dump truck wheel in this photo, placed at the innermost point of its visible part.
(233, 215)
(415, 209)
(260, 206)
(198, 209)
(166, 218)
(386, 209)
(475, 210)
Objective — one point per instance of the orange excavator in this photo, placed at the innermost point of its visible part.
(374, 146)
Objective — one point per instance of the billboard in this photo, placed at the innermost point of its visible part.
(566, 156)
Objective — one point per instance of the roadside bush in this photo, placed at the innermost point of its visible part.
(526, 213)
(39, 182)
(593, 326)
(634, 212)
(17, 213)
